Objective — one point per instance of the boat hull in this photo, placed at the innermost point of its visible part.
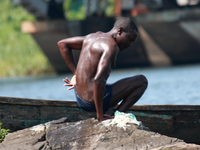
(180, 121)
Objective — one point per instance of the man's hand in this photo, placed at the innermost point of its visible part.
(106, 117)
(71, 83)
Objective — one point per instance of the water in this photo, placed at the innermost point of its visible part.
(171, 85)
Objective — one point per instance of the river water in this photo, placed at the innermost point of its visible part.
(169, 85)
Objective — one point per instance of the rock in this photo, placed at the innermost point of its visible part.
(89, 135)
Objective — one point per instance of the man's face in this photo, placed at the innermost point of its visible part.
(125, 39)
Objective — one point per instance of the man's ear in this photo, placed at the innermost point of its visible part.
(120, 30)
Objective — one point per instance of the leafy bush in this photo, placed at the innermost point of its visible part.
(19, 53)
(3, 132)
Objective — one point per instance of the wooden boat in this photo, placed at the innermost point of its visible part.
(180, 121)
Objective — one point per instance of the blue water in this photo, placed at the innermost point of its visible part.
(169, 85)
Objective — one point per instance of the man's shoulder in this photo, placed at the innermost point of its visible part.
(95, 35)
(101, 39)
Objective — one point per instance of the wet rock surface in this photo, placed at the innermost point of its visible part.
(90, 135)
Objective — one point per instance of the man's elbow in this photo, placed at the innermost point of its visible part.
(60, 43)
(99, 81)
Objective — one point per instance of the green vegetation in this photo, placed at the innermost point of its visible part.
(3, 133)
(19, 53)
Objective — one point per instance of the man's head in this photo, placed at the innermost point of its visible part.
(127, 32)
(126, 23)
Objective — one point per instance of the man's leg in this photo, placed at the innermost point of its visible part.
(129, 90)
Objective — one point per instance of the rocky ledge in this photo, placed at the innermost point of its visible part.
(91, 135)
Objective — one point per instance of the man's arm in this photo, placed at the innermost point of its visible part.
(66, 46)
(103, 71)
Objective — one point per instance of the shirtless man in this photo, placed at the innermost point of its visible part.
(98, 55)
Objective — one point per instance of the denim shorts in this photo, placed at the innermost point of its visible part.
(91, 106)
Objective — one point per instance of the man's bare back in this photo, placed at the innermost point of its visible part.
(96, 47)
(98, 55)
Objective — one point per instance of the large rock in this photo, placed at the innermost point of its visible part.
(89, 135)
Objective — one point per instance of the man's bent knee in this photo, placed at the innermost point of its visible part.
(143, 80)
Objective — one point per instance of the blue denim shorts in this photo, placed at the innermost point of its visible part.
(91, 106)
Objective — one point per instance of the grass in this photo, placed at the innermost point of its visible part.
(3, 132)
(19, 53)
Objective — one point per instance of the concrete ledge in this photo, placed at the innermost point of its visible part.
(43, 26)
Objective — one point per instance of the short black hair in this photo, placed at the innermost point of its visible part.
(126, 23)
